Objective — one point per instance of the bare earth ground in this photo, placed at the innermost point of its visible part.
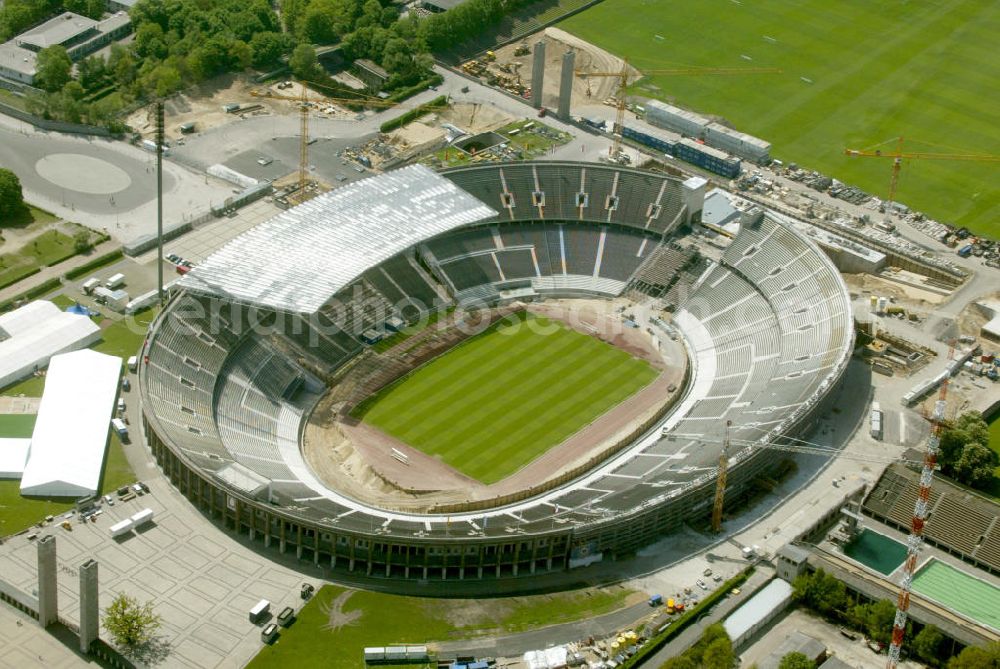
(588, 57)
(356, 459)
(19, 404)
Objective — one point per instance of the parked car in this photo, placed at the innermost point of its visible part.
(701, 584)
(110, 500)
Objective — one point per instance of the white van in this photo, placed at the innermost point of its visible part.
(259, 611)
(116, 281)
(121, 428)
(133, 363)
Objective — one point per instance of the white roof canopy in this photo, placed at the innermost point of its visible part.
(71, 431)
(37, 331)
(302, 257)
(13, 455)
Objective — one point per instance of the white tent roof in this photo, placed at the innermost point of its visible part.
(772, 596)
(13, 454)
(302, 257)
(71, 431)
(37, 331)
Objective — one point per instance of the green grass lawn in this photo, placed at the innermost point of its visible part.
(123, 337)
(28, 215)
(29, 387)
(381, 619)
(503, 397)
(960, 591)
(47, 248)
(18, 513)
(17, 425)
(994, 444)
(878, 70)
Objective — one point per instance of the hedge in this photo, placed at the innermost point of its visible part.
(97, 262)
(32, 293)
(403, 93)
(20, 277)
(678, 625)
(415, 113)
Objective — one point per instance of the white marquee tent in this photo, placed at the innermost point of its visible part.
(13, 455)
(71, 431)
(32, 334)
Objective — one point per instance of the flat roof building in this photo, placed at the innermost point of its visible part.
(74, 420)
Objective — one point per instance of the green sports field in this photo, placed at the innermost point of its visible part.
(503, 397)
(366, 618)
(876, 70)
(960, 592)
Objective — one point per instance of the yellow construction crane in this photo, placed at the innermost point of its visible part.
(304, 101)
(623, 83)
(897, 160)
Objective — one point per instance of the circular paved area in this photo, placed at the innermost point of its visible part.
(83, 174)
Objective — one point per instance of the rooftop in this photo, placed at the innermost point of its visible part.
(757, 608)
(58, 30)
(304, 256)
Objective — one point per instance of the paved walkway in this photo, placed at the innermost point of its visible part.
(57, 270)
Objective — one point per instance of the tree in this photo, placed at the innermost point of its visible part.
(796, 660)
(81, 241)
(820, 591)
(881, 616)
(976, 464)
(11, 197)
(718, 654)
(92, 72)
(679, 662)
(267, 48)
(303, 62)
(129, 623)
(967, 428)
(52, 68)
(926, 645)
(974, 657)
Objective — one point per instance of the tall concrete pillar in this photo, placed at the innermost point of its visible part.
(566, 84)
(538, 75)
(48, 586)
(694, 198)
(89, 611)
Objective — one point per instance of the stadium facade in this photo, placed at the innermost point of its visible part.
(234, 365)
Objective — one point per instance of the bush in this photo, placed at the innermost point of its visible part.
(19, 277)
(97, 262)
(402, 94)
(32, 293)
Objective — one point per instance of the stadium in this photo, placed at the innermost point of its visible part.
(297, 384)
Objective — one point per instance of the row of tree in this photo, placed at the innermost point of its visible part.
(467, 20)
(714, 650)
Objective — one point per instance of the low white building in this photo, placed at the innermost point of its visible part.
(73, 425)
(31, 335)
(759, 610)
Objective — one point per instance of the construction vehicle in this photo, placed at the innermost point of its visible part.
(623, 84)
(899, 155)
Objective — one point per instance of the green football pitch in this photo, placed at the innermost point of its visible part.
(855, 74)
(959, 591)
(503, 397)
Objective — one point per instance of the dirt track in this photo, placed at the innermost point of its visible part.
(357, 459)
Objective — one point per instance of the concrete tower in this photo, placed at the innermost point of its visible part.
(89, 614)
(538, 75)
(48, 587)
(694, 198)
(566, 84)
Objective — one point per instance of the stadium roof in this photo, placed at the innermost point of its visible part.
(71, 432)
(302, 257)
(29, 336)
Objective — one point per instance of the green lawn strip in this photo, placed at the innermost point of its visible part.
(391, 619)
(17, 425)
(855, 74)
(501, 398)
(29, 387)
(124, 337)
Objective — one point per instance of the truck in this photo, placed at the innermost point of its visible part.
(142, 517)
(120, 528)
(656, 600)
(90, 284)
(965, 251)
(115, 281)
(121, 428)
(259, 611)
(150, 146)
